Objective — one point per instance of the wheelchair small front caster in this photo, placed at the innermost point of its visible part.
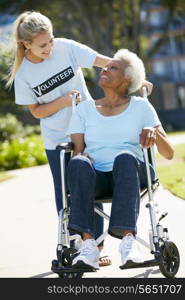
(70, 275)
(170, 259)
(63, 266)
(54, 263)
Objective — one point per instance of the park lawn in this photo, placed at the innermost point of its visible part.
(180, 132)
(172, 173)
(4, 176)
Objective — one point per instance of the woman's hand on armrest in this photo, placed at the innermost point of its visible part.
(148, 137)
(156, 135)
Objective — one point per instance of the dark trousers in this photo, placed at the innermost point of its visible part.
(123, 183)
(54, 163)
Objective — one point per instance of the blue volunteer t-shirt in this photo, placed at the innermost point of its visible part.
(54, 77)
(106, 136)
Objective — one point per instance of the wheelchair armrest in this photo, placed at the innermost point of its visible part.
(65, 146)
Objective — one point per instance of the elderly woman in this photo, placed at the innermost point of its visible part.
(108, 135)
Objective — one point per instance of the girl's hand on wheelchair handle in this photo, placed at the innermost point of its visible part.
(67, 98)
(148, 137)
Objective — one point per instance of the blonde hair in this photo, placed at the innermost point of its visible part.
(28, 25)
(134, 70)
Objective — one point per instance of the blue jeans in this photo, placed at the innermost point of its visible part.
(123, 183)
(54, 163)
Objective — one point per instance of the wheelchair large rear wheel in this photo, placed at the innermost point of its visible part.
(170, 259)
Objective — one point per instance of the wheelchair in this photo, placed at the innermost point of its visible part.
(165, 252)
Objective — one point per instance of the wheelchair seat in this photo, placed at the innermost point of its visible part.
(143, 192)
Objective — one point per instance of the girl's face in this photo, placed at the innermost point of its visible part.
(41, 47)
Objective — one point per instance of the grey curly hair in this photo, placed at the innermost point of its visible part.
(134, 70)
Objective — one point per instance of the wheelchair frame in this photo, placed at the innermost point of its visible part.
(166, 254)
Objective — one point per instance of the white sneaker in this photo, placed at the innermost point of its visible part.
(78, 243)
(88, 255)
(129, 250)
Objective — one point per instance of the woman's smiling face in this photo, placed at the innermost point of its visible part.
(112, 76)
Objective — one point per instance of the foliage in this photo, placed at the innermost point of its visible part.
(22, 153)
(20, 146)
(5, 60)
(11, 128)
(7, 99)
(104, 25)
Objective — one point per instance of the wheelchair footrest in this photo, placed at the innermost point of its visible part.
(148, 263)
(81, 265)
(60, 270)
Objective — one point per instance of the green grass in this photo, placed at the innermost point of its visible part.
(4, 176)
(172, 173)
(176, 133)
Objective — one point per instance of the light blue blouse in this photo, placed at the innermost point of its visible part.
(106, 136)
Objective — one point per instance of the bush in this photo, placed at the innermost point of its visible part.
(22, 153)
(11, 128)
(20, 146)
(7, 96)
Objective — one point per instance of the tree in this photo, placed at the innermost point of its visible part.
(104, 25)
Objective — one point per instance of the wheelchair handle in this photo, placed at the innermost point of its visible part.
(68, 147)
(74, 97)
(145, 95)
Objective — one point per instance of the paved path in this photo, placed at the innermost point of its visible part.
(178, 139)
(28, 228)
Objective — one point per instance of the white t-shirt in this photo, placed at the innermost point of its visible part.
(55, 76)
(106, 136)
